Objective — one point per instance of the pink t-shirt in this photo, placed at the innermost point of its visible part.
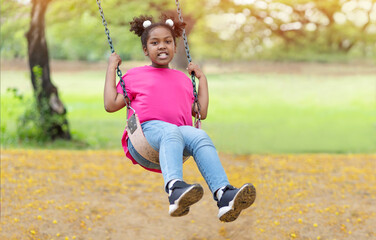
(158, 94)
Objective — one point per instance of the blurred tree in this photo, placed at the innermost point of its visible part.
(223, 29)
(14, 19)
(250, 27)
(46, 92)
(80, 20)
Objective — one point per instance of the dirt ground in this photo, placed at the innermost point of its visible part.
(100, 195)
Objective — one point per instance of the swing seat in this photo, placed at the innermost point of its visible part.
(139, 141)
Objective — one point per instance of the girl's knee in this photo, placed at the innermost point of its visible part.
(202, 135)
(171, 131)
(203, 139)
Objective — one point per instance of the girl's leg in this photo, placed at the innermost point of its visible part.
(168, 141)
(199, 145)
(231, 201)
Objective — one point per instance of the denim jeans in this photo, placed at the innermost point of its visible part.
(172, 142)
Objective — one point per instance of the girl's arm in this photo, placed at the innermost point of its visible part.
(113, 101)
(203, 92)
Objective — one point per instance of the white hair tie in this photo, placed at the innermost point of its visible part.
(170, 22)
(146, 23)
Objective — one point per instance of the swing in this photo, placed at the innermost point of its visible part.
(133, 127)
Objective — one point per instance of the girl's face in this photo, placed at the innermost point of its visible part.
(160, 47)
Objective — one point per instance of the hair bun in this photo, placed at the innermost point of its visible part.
(170, 22)
(146, 23)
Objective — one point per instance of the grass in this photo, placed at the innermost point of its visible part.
(293, 113)
(248, 113)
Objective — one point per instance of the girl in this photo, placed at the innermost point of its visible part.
(163, 98)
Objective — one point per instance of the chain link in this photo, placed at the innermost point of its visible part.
(193, 77)
(118, 71)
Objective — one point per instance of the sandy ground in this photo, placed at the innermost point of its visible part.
(100, 195)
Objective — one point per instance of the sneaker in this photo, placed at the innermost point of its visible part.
(183, 195)
(234, 200)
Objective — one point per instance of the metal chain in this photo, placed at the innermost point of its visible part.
(193, 77)
(118, 71)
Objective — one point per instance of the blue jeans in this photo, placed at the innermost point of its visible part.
(172, 142)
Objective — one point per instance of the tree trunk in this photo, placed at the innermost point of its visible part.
(180, 59)
(44, 90)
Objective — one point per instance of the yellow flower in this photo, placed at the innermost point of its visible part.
(39, 217)
(293, 235)
(32, 232)
(54, 222)
(315, 225)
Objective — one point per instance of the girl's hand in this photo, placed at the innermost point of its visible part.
(203, 93)
(192, 67)
(114, 61)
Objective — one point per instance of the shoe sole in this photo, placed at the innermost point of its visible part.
(243, 199)
(187, 199)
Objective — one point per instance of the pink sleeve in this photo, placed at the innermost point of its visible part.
(120, 90)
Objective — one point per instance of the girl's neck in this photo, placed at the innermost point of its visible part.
(159, 66)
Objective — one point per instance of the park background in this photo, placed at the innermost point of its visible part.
(292, 109)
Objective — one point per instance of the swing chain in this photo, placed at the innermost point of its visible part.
(184, 34)
(118, 71)
(193, 77)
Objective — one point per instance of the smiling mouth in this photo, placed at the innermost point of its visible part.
(163, 55)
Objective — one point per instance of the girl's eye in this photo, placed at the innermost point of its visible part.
(154, 43)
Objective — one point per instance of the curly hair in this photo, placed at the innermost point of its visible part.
(138, 28)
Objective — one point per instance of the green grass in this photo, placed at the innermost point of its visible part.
(248, 113)
(293, 113)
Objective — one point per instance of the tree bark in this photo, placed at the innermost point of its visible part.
(180, 59)
(38, 56)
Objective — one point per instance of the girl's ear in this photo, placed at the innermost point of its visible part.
(145, 51)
